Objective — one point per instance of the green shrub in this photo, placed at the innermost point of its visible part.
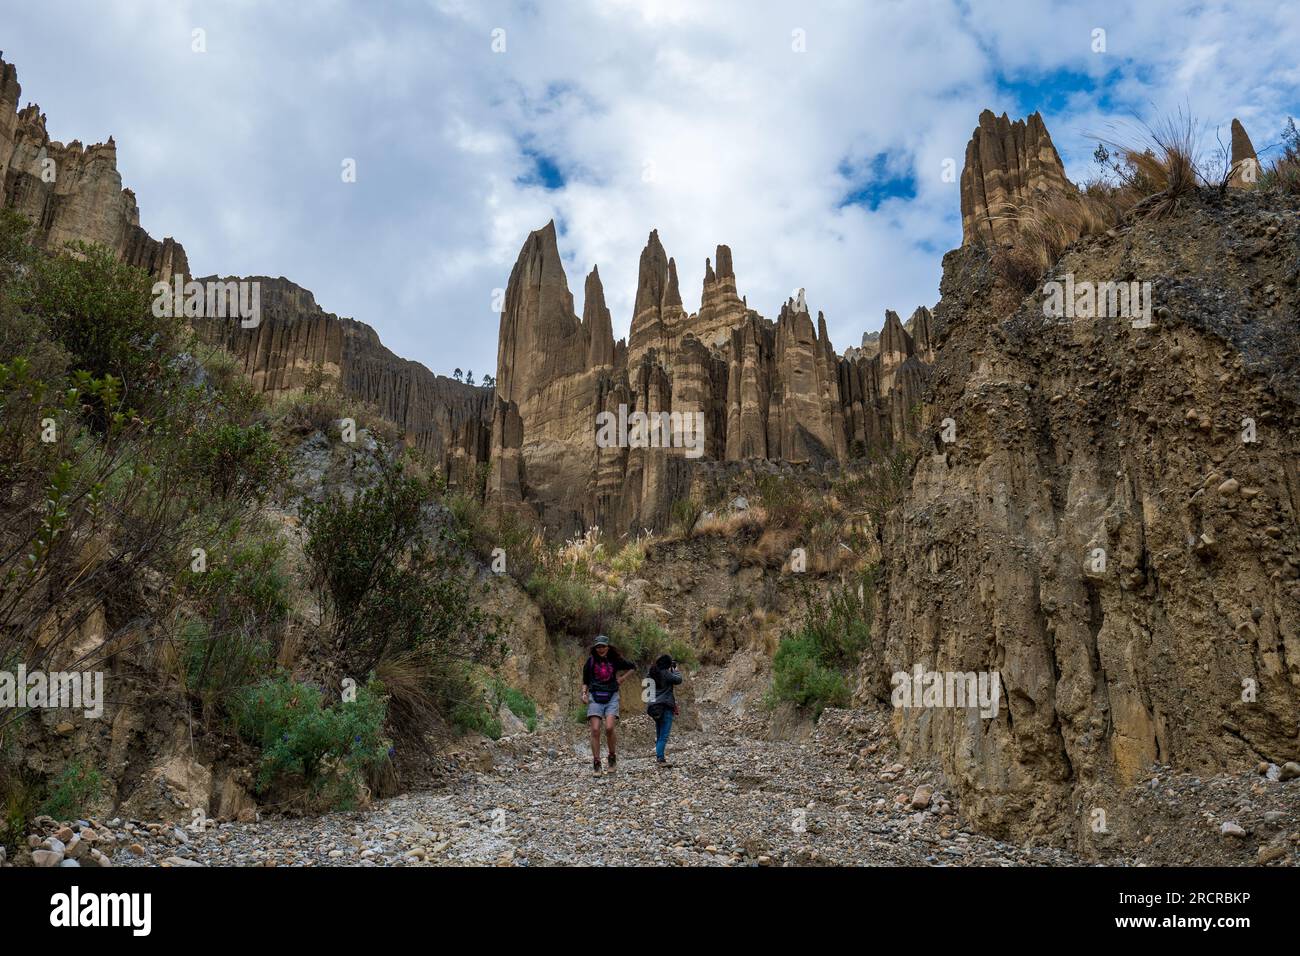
(101, 311)
(219, 664)
(519, 703)
(840, 626)
(800, 677)
(389, 583)
(783, 499)
(239, 397)
(812, 659)
(249, 584)
(234, 461)
(475, 716)
(629, 559)
(75, 788)
(329, 748)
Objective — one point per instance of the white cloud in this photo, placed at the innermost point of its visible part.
(237, 152)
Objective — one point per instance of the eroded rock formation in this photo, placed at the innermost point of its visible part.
(762, 389)
(1113, 528)
(1007, 165)
(73, 192)
(1245, 164)
(298, 343)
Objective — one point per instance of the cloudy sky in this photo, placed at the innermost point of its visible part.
(810, 136)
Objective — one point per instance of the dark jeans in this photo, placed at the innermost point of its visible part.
(663, 727)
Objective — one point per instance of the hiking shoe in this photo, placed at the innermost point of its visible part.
(612, 761)
(662, 764)
(595, 767)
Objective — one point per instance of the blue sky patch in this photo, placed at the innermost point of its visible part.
(872, 182)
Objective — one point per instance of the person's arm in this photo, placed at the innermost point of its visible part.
(586, 679)
(673, 676)
(623, 670)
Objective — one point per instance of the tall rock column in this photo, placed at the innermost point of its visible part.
(1007, 165)
(657, 314)
(1245, 164)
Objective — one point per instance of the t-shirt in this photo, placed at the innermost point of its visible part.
(600, 675)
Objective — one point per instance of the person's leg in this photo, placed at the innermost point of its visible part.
(594, 722)
(611, 740)
(665, 728)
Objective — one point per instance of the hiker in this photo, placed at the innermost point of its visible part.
(663, 708)
(604, 671)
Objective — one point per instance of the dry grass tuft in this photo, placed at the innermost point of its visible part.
(1151, 172)
(408, 680)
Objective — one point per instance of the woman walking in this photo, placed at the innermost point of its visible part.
(663, 708)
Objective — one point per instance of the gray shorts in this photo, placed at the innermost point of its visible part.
(609, 709)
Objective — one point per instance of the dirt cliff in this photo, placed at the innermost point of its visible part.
(1112, 526)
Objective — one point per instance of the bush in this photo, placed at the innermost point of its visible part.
(234, 461)
(1283, 175)
(783, 500)
(386, 591)
(220, 663)
(329, 748)
(630, 557)
(100, 310)
(75, 788)
(800, 677)
(239, 397)
(642, 640)
(685, 514)
(571, 604)
(809, 667)
(519, 703)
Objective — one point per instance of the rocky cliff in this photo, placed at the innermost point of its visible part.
(297, 341)
(762, 390)
(73, 192)
(1113, 526)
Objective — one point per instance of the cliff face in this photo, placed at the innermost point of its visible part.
(73, 192)
(761, 389)
(1103, 532)
(449, 421)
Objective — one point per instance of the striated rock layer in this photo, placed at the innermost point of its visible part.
(1103, 532)
(297, 341)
